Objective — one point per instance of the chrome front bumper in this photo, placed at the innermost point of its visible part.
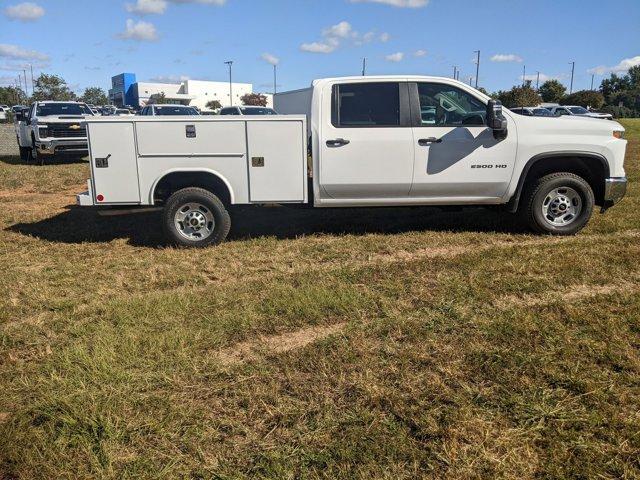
(614, 190)
(49, 147)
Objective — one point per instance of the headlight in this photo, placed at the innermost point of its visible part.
(43, 130)
(618, 133)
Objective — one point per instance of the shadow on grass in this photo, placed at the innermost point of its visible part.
(78, 224)
(57, 160)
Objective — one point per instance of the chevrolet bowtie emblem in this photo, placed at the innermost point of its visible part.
(75, 127)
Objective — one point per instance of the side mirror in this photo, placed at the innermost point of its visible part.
(495, 119)
(19, 116)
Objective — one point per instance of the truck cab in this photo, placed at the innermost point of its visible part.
(50, 128)
(373, 141)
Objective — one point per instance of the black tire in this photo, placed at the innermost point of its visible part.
(24, 154)
(538, 193)
(212, 207)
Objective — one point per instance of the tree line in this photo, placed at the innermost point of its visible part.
(618, 95)
(51, 87)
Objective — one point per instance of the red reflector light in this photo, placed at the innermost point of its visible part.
(100, 198)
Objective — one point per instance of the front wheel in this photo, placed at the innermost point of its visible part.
(559, 204)
(195, 217)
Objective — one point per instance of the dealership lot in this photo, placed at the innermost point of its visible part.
(350, 343)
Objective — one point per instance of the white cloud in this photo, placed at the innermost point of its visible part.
(397, 3)
(140, 31)
(506, 57)
(25, 12)
(340, 30)
(147, 7)
(384, 37)
(169, 79)
(16, 52)
(317, 47)
(534, 77)
(335, 35)
(621, 67)
(270, 59)
(420, 53)
(394, 57)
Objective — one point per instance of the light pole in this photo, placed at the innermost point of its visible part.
(230, 64)
(33, 87)
(477, 66)
(524, 73)
(538, 81)
(573, 67)
(275, 79)
(364, 66)
(592, 75)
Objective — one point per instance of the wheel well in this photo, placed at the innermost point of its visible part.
(593, 169)
(175, 181)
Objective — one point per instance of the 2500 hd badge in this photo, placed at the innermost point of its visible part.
(488, 165)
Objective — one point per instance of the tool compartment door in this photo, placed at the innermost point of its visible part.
(277, 161)
(114, 163)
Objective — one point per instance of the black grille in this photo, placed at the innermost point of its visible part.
(67, 130)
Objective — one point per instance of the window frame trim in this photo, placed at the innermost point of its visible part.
(403, 98)
(416, 114)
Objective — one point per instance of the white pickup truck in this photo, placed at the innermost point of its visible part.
(50, 128)
(373, 141)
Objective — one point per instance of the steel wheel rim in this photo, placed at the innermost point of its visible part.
(562, 206)
(194, 221)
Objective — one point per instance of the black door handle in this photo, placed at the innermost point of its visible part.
(423, 142)
(338, 142)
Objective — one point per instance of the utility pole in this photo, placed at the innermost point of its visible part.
(364, 66)
(470, 80)
(592, 75)
(33, 85)
(573, 67)
(454, 72)
(477, 66)
(26, 89)
(524, 73)
(538, 81)
(230, 64)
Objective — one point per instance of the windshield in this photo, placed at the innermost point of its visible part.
(579, 110)
(257, 111)
(542, 112)
(46, 109)
(174, 110)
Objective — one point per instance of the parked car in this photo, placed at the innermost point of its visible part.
(17, 108)
(578, 111)
(165, 109)
(123, 112)
(49, 128)
(369, 147)
(532, 111)
(3, 112)
(248, 110)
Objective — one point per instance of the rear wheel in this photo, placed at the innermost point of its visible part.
(195, 217)
(559, 204)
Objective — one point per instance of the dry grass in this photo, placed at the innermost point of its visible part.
(375, 343)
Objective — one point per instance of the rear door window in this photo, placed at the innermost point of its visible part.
(367, 105)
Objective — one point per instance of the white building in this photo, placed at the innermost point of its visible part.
(127, 91)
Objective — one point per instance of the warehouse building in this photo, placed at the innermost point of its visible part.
(126, 90)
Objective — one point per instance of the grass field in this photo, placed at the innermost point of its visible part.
(389, 343)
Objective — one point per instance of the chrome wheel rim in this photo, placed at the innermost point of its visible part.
(194, 221)
(562, 206)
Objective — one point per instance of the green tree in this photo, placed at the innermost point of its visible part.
(552, 91)
(214, 105)
(95, 96)
(158, 99)
(584, 98)
(52, 87)
(12, 96)
(522, 96)
(254, 99)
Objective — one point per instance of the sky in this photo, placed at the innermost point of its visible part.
(88, 41)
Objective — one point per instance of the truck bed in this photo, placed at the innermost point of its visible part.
(260, 159)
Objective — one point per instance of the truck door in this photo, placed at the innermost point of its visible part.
(367, 151)
(456, 154)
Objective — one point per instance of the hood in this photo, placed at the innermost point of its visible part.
(577, 123)
(63, 118)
